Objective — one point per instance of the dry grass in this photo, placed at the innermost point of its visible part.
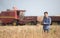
(28, 32)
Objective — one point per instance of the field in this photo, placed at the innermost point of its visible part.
(29, 31)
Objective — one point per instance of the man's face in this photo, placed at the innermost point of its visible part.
(46, 15)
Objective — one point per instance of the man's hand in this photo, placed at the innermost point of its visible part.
(45, 23)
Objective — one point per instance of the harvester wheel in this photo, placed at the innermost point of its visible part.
(33, 23)
(0, 23)
(14, 23)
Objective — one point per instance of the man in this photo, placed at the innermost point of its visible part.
(46, 22)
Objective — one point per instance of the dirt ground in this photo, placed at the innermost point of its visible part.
(29, 31)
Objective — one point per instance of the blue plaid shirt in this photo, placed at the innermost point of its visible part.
(46, 22)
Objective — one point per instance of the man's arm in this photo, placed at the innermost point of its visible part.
(49, 21)
(43, 22)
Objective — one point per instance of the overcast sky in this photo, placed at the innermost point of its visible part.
(33, 7)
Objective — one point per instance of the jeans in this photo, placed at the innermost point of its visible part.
(46, 30)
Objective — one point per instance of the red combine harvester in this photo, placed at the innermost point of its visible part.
(16, 17)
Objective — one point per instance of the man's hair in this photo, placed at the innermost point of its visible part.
(45, 12)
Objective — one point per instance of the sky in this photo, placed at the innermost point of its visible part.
(33, 7)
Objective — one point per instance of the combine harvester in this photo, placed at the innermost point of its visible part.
(16, 17)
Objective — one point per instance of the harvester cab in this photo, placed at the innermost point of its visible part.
(20, 14)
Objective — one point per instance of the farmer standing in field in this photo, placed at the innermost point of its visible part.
(46, 22)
